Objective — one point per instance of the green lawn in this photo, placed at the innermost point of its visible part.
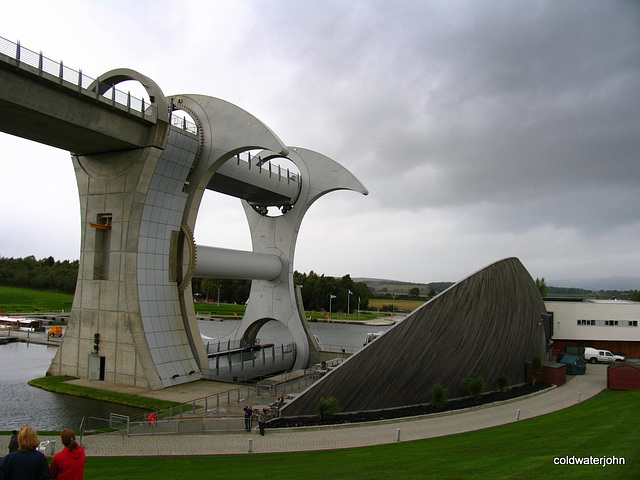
(57, 384)
(606, 425)
(24, 300)
(221, 310)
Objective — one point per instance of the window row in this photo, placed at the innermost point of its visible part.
(609, 323)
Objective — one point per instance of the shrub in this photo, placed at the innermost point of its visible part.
(503, 384)
(327, 408)
(536, 369)
(474, 384)
(439, 396)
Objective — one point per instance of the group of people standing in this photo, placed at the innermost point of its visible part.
(26, 462)
(248, 418)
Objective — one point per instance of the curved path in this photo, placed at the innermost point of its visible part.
(375, 433)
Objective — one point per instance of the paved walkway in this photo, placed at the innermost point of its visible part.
(355, 435)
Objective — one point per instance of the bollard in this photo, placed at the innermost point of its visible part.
(397, 435)
(518, 415)
(250, 445)
(579, 396)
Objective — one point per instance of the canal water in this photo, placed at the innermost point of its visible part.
(21, 362)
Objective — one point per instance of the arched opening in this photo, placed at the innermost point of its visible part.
(267, 348)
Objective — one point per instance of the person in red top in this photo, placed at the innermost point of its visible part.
(69, 463)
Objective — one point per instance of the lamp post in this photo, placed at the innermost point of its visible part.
(219, 294)
(348, 298)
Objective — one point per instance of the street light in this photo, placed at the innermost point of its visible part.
(349, 298)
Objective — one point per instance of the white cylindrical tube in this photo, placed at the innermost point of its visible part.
(214, 262)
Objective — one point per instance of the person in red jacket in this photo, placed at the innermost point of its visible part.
(69, 463)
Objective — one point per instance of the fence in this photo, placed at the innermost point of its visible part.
(34, 337)
(202, 415)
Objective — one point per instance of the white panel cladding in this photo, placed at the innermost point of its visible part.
(596, 320)
(163, 325)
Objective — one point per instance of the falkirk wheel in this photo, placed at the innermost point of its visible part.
(133, 320)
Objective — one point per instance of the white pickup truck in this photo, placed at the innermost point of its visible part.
(594, 355)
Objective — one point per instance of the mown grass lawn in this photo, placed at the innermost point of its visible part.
(25, 300)
(58, 384)
(606, 425)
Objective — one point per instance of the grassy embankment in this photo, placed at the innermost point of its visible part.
(58, 385)
(603, 426)
(24, 300)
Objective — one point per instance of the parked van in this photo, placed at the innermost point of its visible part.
(594, 355)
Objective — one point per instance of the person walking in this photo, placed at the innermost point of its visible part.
(13, 441)
(262, 419)
(69, 463)
(26, 463)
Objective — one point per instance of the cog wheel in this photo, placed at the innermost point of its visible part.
(188, 264)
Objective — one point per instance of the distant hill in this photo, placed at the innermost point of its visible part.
(579, 286)
(382, 286)
(598, 284)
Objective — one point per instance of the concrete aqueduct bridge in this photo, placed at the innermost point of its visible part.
(142, 169)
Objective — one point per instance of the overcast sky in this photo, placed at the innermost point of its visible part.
(483, 130)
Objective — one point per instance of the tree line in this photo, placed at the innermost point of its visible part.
(319, 293)
(61, 276)
(44, 274)
(317, 290)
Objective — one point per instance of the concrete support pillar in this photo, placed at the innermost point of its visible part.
(275, 299)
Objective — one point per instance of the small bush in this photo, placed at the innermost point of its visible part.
(503, 384)
(439, 396)
(327, 408)
(536, 369)
(474, 384)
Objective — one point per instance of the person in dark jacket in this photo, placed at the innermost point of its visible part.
(27, 463)
(248, 413)
(13, 441)
(69, 463)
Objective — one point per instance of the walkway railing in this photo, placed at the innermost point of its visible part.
(202, 415)
(273, 170)
(69, 77)
(34, 337)
(225, 345)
